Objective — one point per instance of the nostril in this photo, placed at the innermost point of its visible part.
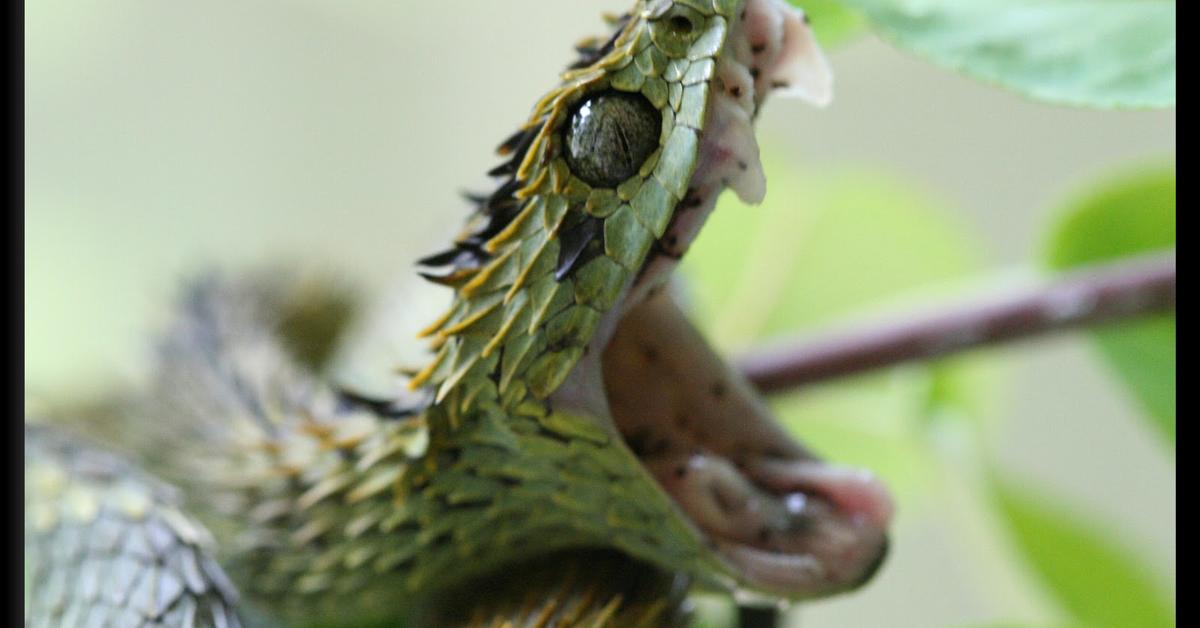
(875, 564)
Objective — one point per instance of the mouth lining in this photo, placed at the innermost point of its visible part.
(783, 521)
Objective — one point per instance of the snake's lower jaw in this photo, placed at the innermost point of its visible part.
(834, 537)
(798, 528)
(784, 522)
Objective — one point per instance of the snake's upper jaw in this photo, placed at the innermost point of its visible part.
(802, 71)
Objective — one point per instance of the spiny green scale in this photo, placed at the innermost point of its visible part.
(355, 517)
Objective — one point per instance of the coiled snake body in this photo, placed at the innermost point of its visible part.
(568, 409)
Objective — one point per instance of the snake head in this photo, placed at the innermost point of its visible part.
(559, 301)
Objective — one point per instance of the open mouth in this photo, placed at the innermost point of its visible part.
(787, 522)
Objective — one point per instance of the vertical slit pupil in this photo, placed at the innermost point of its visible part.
(609, 136)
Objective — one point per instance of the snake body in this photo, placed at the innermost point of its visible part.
(518, 439)
(105, 544)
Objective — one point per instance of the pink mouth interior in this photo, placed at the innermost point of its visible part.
(787, 522)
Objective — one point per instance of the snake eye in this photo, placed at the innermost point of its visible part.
(609, 137)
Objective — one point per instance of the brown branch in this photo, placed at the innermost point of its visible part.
(1093, 296)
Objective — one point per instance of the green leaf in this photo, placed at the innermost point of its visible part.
(832, 21)
(1143, 354)
(1093, 576)
(1130, 214)
(1098, 53)
(826, 246)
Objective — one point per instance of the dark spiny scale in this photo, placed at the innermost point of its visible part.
(502, 202)
(504, 192)
(444, 258)
(437, 279)
(470, 256)
(474, 198)
(517, 149)
(506, 204)
(500, 208)
(516, 139)
(589, 56)
(587, 50)
(594, 249)
(574, 240)
(506, 169)
(499, 217)
(457, 264)
(452, 278)
(523, 146)
(406, 406)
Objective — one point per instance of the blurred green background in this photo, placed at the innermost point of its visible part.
(164, 137)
